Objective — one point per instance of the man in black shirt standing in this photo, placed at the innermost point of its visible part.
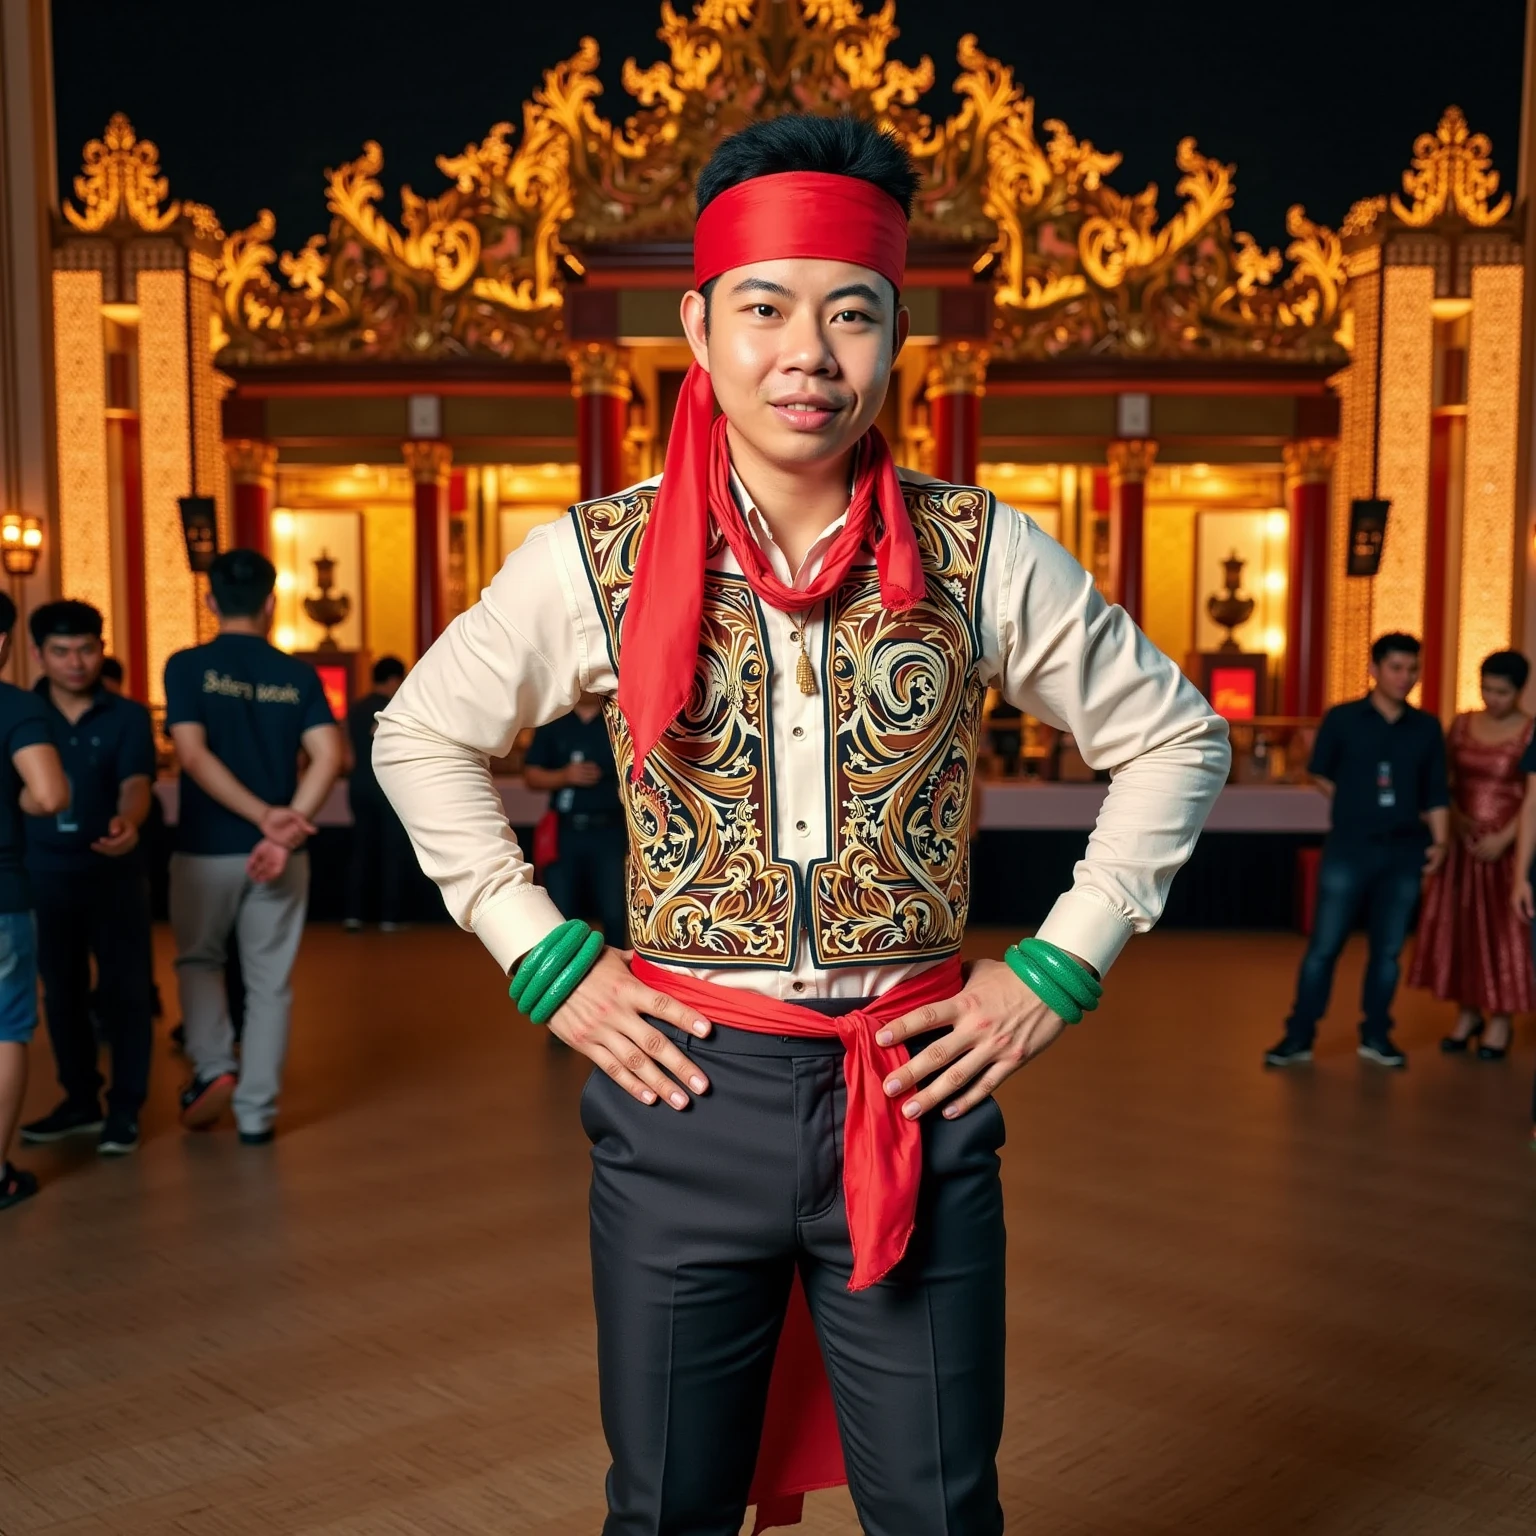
(91, 886)
(1382, 764)
(573, 758)
(239, 712)
(379, 843)
(31, 781)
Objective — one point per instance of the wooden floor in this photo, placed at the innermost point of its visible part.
(1240, 1304)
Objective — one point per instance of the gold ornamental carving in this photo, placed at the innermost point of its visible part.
(479, 270)
(1452, 173)
(598, 369)
(1310, 460)
(1130, 460)
(428, 460)
(251, 461)
(958, 368)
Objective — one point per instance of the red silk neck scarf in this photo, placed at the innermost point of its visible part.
(796, 214)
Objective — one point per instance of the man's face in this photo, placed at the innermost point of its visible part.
(1396, 676)
(800, 353)
(71, 662)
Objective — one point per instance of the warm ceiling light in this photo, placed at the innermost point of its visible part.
(283, 524)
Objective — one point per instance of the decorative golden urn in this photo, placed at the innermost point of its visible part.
(327, 608)
(1232, 607)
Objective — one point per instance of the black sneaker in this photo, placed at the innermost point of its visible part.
(204, 1099)
(1381, 1050)
(258, 1138)
(1289, 1053)
(16, 1185)
(66, 1121)
(119, 1137)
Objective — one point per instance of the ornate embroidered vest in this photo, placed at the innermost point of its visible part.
(902, 696)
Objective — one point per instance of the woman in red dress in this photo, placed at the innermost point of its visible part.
(1472, 949)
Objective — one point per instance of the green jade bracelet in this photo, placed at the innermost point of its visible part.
(568, 980)
(545, 961)
(1064, 985)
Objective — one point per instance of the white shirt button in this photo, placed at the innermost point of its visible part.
(798, 732)
(801, 826)
(799, 986)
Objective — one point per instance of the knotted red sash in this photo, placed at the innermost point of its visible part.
(882, 1172)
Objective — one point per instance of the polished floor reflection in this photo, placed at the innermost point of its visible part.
(1241, 1304)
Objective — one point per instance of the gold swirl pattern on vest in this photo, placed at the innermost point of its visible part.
(905, 694)
(907, 698)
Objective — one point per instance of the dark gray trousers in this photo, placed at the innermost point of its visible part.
(699, 1221)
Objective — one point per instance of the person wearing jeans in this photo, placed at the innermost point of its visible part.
(1381, 762)
(32, 783)
(240, 712)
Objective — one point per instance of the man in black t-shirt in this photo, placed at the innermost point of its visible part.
(90, 884)
(573, 758)
(1382, 764)
(239, 711)
(31, 781)
(381, 857)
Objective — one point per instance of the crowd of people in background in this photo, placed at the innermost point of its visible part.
(1438, 824)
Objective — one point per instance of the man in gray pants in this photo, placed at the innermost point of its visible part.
(240, 711)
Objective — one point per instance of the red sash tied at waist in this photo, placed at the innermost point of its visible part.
(882, 1172)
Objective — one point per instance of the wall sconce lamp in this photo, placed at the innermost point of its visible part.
(21, 543)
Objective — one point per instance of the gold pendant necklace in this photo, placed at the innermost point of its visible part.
(805, 674)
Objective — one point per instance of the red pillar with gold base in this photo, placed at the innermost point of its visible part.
(429, 462)
(253, 465)
(600, 383)
(1130, 462)
(956, 382)
(1308, 470)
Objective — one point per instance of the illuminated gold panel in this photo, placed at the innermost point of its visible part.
(389, 573)
(207, 418)
(1168, 579)
(1488, 505)
(80, 372)
(165, 428)
(1407, 401)
(1349, 605)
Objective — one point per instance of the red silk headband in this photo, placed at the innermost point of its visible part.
(812, 214)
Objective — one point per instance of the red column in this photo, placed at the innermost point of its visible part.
(600, 383)
(1308, 468)
(253, 464)
(429, 463)
(1130, 462)
(956, 383)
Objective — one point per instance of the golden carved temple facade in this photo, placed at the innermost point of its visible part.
(406, 398)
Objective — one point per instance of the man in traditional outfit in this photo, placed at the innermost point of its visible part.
(794, 1135)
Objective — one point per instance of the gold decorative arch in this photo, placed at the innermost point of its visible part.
(1077, 268)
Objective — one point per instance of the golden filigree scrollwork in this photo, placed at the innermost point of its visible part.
(1131, 460)
(1077, 267)
(1310, 460)
(958, 368)
(120, 179)
(428, 460)
(1452, 173)
(598, 369)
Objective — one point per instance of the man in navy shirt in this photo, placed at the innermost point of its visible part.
(381, 857)
(32, 782)
(239, 711)
(572, 757)
(1382, 764)
(90, 884)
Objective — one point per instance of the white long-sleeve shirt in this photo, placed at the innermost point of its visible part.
(534, 643)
